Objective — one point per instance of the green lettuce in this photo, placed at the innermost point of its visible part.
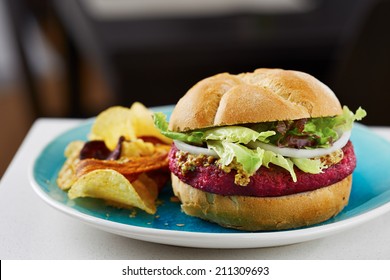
(194, 137)
(313, 166)
(237, 134)
(326, 130)
(279, 160)
(250, 160)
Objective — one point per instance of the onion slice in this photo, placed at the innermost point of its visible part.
(304, 153)
(194, 149)
(287, 152)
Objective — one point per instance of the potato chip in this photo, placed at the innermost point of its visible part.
(113, 187)
(111, 124)
(149, 184)
(137, 148)
(128, 167)
(143, 123)
(67, 174)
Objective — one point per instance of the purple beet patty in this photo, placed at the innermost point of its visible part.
(266, 182)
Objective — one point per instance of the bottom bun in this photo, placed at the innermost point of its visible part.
(264, 213)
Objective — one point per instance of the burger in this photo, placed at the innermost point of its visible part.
(266, 150)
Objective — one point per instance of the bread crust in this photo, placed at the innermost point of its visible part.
(260, 96)
(264, 213)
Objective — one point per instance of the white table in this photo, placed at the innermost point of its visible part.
(30, 229)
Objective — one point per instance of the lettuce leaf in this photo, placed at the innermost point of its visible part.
(194, 137)
(312, 166)
(279, 160)
(326, 130)
(237, 134)
(346, 119)
(226, 157)
(249, 159)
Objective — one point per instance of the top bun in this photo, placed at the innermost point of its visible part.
(262, 96)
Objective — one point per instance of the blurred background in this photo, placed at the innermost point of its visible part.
(74, 58)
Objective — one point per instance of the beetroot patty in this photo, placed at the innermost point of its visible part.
(266, 182)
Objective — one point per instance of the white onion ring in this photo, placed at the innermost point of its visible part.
(287, 152)
(194, 149)
(304, 153)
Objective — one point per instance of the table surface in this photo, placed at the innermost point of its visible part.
(31, 229)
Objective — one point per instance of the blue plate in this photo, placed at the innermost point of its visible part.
(369, 198)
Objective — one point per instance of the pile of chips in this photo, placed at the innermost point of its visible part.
(124, 162)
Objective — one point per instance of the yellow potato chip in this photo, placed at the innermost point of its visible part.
(148, 184)
(67, 174)
(111, 124)
(137, 148)
(143, 122)
(113, 187)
